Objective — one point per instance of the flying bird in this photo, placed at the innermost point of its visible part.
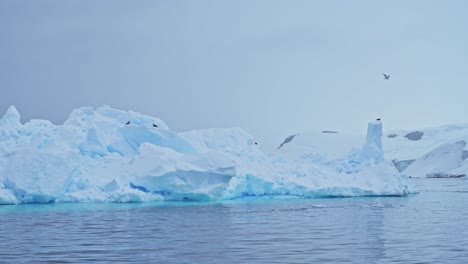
(287, 140)
(386, 76)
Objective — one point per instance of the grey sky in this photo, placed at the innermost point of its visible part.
(274, 68)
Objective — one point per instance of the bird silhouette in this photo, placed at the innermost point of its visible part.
(128, 123)
(386, 76)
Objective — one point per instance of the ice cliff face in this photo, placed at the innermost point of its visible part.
(108, 155)
(372, 149)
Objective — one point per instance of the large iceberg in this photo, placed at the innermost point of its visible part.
(109, 155)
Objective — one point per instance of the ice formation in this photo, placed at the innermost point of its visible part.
(442, 159)
(109, 155)
(372, 149)
(439, 152)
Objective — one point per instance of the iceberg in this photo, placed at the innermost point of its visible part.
(110, 155)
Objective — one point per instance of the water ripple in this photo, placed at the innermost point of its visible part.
(425, 228)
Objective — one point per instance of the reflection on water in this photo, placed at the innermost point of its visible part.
(425, 228)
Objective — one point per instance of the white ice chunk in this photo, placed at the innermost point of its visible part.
(7, 196)
(37, 176)
(11, 117)
(177, 176)
(372, 150)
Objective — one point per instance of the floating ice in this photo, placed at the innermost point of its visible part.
(108, 155)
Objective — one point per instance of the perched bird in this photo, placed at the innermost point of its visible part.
(154, 125)
(378, 119)
(128, 123)
(386, 76)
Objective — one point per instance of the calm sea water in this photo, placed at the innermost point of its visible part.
(431, 227)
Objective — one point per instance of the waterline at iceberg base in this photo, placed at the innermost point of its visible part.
(109, 155)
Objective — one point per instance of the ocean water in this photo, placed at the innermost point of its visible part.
(431, 227)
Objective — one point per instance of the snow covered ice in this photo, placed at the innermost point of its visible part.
(436, 153)
(95, 157)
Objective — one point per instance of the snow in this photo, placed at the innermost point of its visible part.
(402, 148)
(328, 145)
(95, 156)
(440, 152)
(444, 158)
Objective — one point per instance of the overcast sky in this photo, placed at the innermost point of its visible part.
(273, 68)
